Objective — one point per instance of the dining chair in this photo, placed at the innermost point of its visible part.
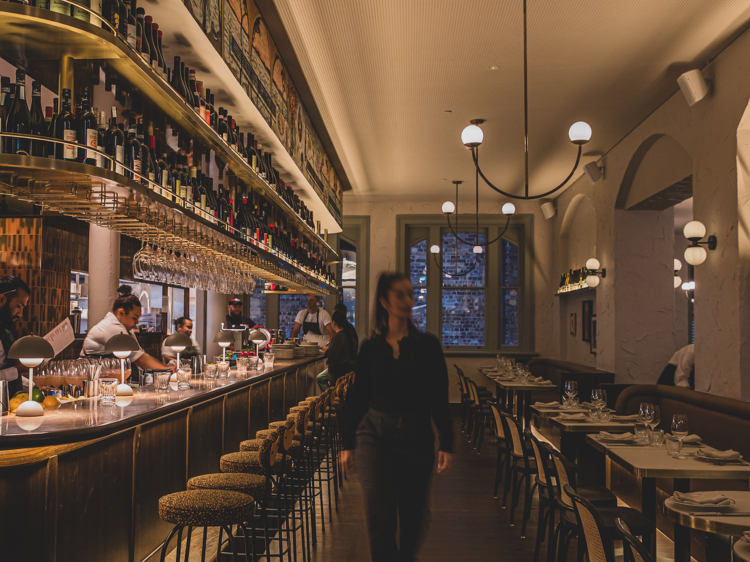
(599, 549)
(465, 399)
(502, 468)
(522, 468)
(546, 520)
(481, 414)
(635, 551)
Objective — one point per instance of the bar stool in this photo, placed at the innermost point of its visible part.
(205, 508)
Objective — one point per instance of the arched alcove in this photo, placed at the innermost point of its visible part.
(743, 220)
(658, 177)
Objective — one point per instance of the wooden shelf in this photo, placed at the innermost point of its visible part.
(33, 34)
(576, 292)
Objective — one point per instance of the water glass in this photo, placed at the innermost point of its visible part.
(242, 367)
(161, 380)
(210, 371)
(183, 379)
(253, 363)
(268, 360)
(594, 414)
(673, 445)
(657, 437)
(223, 369)
(605, 416)
(108, 390)
(641, 431)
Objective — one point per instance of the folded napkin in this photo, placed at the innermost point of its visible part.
(691, 439)
(573, 417)
(616, 436)
(546, 404)
(634, 417)
(714, 454)
(702, 498)
(746, 537)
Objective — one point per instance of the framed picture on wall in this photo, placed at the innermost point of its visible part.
(593, 335)
(586, 315)
(573, 324)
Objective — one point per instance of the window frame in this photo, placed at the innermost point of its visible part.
(413, 228)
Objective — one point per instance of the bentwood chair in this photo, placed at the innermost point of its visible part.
(546, 522)
(480, 414)
(522, 468)
(502, 468)
(635, 551)
(599, 549)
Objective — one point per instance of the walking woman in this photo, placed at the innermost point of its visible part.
(401, 385)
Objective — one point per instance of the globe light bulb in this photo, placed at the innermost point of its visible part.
(694, 230)
(677, 281)
(509, 209)
(472, 136)
(593, 264)
(449, 208)
(477, 249)
(434, 249)
(695, 255)
(579, 133)
(592, 280)
(677, 265)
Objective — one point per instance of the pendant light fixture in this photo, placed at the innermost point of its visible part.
(472, 136)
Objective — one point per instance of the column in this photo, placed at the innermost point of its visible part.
(104, 271)
(216, 313)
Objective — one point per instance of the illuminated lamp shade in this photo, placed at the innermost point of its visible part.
(30, 351)
(688, 286)
(509, 209)
(579, 133)
(694, 230)
(434, 249)
(224, 339)
(695, 255)
(592, 280)
(472, 136)
(178, 342)
(592, 264)
(121, 346)
(448, 208)
(478, 249)
(677, 281)
(677, 265)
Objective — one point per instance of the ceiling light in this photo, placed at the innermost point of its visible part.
(579, 133)
(434, 249)
(448, 208)
(477, 249)
(472, 136)
(509, 209)
(696, 254)
(548, 210)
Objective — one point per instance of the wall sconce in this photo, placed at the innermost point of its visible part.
(592, 279)
(695, 253)
(677, 278)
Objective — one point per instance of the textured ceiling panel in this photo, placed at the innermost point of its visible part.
(384, 72)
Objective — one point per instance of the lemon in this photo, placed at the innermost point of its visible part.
(51, 403)
(15, 402)
(21, 394)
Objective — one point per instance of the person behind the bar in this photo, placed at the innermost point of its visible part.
(14, 297)
(314, 322)
(341, 353)
(234, 315)
(169, 355)
(122, 319)
(400, 387)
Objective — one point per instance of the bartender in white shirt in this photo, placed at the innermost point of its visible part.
(680, 371)
(126, 311)
(314, 322)
(14, 297)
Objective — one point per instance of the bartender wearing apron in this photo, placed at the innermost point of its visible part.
(169, 355)
(314, 322)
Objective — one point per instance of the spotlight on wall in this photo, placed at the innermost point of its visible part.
(548, 210)
(593, 172)
(695, 254)
(694, 87)
(677, 278)
(592, 279)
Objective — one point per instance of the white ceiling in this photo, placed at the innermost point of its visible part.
(383, 73)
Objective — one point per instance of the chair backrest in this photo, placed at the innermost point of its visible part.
(541, 454)
(459, 371)
(563, 476)
(269, 449)
(473, 391)
(499, 427)
(512, 429)
(638, 552)
(593, 528)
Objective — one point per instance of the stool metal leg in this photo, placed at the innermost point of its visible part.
(167, 541)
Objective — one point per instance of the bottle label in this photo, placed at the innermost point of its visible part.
(146, 57)
(119, 157)
(137, 169)
(224, 136)
(138, 43)
(69, 151)
(208, 116)
(152, 177)
(92, 137)
(255, 162)
(203, 201)
(131, 35)
(155, 64)
(60, 7)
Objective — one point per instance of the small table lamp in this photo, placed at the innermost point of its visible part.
(224, 339)
(178, 342)
(121, 346)
(260, 339)
(31, 351)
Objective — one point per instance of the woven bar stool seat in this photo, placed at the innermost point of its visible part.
(249, 462)
(295, 409)
(277, 424)
(265, 434)
(251, 484)
(206, 508)
(312, 397)
(254, 445)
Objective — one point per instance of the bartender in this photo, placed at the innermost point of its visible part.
(314, 322)
(184, 326)
(235, 319)
(123, 318)
(14, 297)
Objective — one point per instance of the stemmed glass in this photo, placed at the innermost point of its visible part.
(680, 430)
(571, 389)
(655, 417)
(599, 398)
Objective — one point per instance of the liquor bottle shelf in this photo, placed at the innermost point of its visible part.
(110, 200)
(30, 34)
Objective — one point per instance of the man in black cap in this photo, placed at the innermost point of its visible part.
(234, 316)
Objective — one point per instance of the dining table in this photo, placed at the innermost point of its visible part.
(742, 550)
(514, 394)
(651, 462)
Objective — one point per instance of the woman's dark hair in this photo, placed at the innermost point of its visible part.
(180, 322)
(385, 283)
(340, 318)
(127, 300)
(341, 306)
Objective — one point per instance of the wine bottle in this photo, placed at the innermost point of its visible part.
(160, 49)
(176, 80)
(111, 12)
(186, 94)
(153, 169)
(133, 153)
(164, 175)
(38, 123)
(122, 28)
(252, 154)
(139, 13)
(148, 43)
(144, 155)
(65, 130)
(114, 144)
(223, 130)
(80, 14)
(4, 95)
(88, 130)
(59, 7)
(202, 198)
(19, 118)
(214, 115)
(184, 180)
(48, 115)
(201, 100)
(101, 132)
(208, 106)
(130, 29)
(176, 179)
(51, 128)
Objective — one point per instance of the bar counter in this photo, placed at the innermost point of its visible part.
(85, 484)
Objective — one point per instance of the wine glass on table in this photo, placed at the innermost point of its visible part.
(571, 390)
(680, 430)
(655, 418)
(646, 414)
(599, 398)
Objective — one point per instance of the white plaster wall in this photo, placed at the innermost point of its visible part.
(573, 347)
(666, 163)
(681, 333)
